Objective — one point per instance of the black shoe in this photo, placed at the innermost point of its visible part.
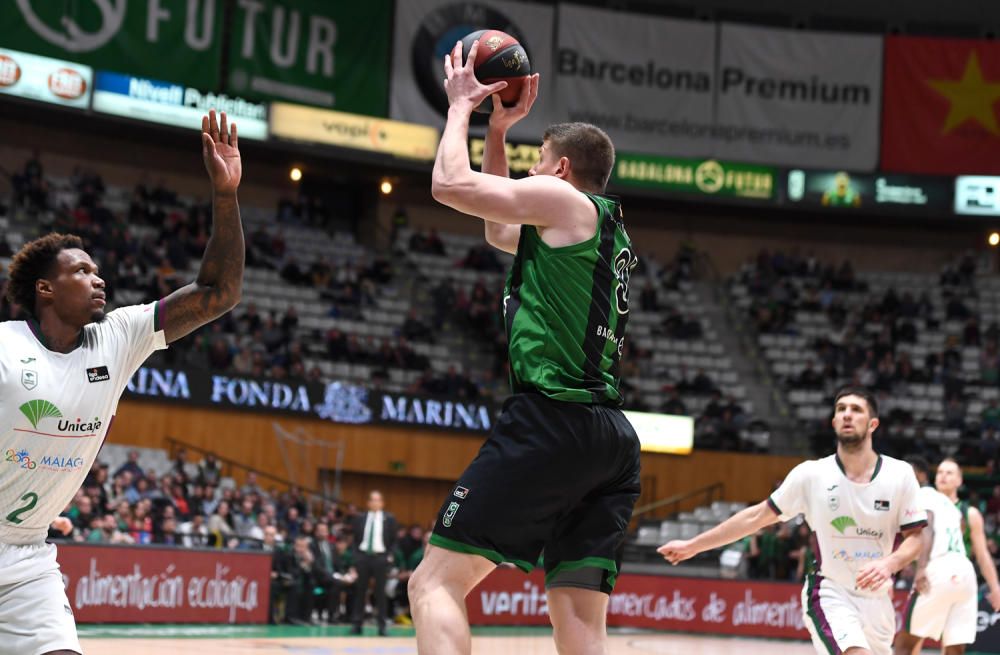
(355, 630)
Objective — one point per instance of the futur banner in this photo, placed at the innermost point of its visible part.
(176, 40)
(149, 584)
(426, 30)
(314, 52)
(799, 98)
(653, 96)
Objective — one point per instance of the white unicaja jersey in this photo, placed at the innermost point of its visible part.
(947, 523)
(56, 409)
(853, 523)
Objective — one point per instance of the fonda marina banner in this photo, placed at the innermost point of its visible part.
(150, 584)
(941, 110)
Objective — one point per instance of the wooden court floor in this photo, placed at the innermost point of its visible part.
(195, 640)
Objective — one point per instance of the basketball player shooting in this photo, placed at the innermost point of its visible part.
(856, 502)
(62, 373)
(560, 471)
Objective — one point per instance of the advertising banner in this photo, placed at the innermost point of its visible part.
(335, 401)
(45, 79)
(167, 39)
(706, 177)
(941, 114)
(520, 156)
(174, 104)
(840, 189)
(337, 128)
(314, 52)
(977, 194)
(149, 584)
(426, 30)
(655, 95)
(799, 98)
(747, 608)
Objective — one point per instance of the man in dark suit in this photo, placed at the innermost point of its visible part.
(374, 538)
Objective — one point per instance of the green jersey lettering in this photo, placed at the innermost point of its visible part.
(566, 309)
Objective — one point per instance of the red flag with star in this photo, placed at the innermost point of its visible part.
(941, 106)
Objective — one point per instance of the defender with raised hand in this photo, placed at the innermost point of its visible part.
(856, 502)
(62, 373)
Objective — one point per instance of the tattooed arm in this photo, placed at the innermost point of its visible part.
(220, 279)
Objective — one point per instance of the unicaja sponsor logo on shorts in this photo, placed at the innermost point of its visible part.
(449, 514)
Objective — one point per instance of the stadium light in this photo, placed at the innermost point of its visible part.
(994, 239)
(386, 187)
(295, 174)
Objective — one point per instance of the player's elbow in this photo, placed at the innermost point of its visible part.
(447, 190)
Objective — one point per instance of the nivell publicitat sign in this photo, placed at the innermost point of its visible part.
(168, 103)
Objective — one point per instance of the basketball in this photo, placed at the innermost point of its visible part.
(500, 58)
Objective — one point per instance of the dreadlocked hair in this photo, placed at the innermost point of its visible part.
(33, 262)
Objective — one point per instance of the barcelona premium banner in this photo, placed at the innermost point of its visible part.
(647, 81)
(798, 98)
(426, 30)
(168, 39)
(314, 52)
(941, 110)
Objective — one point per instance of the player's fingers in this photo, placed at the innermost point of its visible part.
(233, 137)
(497, 105)
(456, 55)
(204, 124)
(496, 87)
(533, 93)
(207, 145)
(224, 129)
(449, 68)
(470, 61)
(213, 125)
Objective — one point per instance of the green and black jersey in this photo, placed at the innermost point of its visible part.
(565, 310)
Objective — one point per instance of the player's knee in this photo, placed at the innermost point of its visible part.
(421, 585)
(579, 637)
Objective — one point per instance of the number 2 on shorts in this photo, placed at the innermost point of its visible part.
(32, 499)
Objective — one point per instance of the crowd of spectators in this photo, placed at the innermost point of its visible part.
(312, 542)
(863, 343)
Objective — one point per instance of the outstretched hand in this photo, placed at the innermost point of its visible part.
(221, 153)
(503, 117)
(677, 551)
(463, 89)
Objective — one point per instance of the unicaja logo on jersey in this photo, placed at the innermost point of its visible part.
(841, 523)
(36, 410)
